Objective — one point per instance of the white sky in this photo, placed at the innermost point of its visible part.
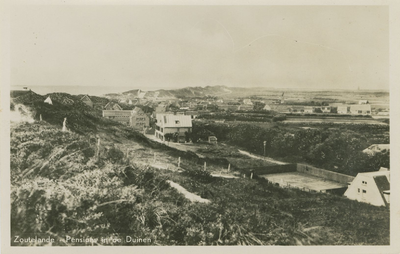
(324, 47)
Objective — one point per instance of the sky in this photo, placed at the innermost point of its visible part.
(153, 47)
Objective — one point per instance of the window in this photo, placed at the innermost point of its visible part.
(358, 190)
(177, 122)
(360, 112)
(364, 191)
(364, 182)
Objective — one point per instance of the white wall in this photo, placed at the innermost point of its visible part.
(372, 194)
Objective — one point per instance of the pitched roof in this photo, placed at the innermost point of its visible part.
(112, 106)
(383, 185)
(169, 120)
(85, 98)
(376, 173)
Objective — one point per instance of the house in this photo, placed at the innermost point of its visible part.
(85, 99)
(114, 112)
(364, 109)
(247, 102)
(267, 107)
(138, 119)
(301, 109)
(122, 116)
(308, 109)
(377, 148)
(343, 109)
(212, 140)
(325, 109)
(370, 187)
(227, 107)
(296, 109)
(280, 108)
(363, 102)
(168, 123)
(48, 100)
(245, 107)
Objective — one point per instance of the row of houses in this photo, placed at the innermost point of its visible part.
(136, 118)
(356, 109)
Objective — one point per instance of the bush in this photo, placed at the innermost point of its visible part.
(114, 155)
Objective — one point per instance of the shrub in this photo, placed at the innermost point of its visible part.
(114, 155)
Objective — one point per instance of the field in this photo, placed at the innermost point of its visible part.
(302, 181)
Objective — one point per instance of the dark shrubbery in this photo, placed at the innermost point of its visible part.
(334, 149)
(114, 155)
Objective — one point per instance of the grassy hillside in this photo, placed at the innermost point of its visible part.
(60, 187)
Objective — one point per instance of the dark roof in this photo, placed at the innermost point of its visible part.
(383, 185)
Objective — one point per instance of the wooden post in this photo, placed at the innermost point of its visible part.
(40, 117)
(229, 167)
(179, 162)
(244, 175)
(98, 148)
(251, 176)
(205, 166)
(154, 160)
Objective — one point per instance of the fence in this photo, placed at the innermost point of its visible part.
(329, 175)
(272, 169)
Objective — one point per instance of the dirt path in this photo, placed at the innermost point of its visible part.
(262, 158)
(192, 197)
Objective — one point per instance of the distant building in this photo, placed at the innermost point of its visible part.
(114, 112)
(226, 107)
(247, 102)
(377, 148)
(48, 100)
(308, 109)
(138, 119)
(296, 109)
(343, 109)
(280, 108)
(370, 187)
(267, 107)
(168, 123)
(364, 109)
(246, 107)
(326, 109)
(212, 140)
(363, 102)
(86, 99)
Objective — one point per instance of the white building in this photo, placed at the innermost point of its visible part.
(370, 187)
(363, 109)
(343, 109)
(377, 148)
(168, 123)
